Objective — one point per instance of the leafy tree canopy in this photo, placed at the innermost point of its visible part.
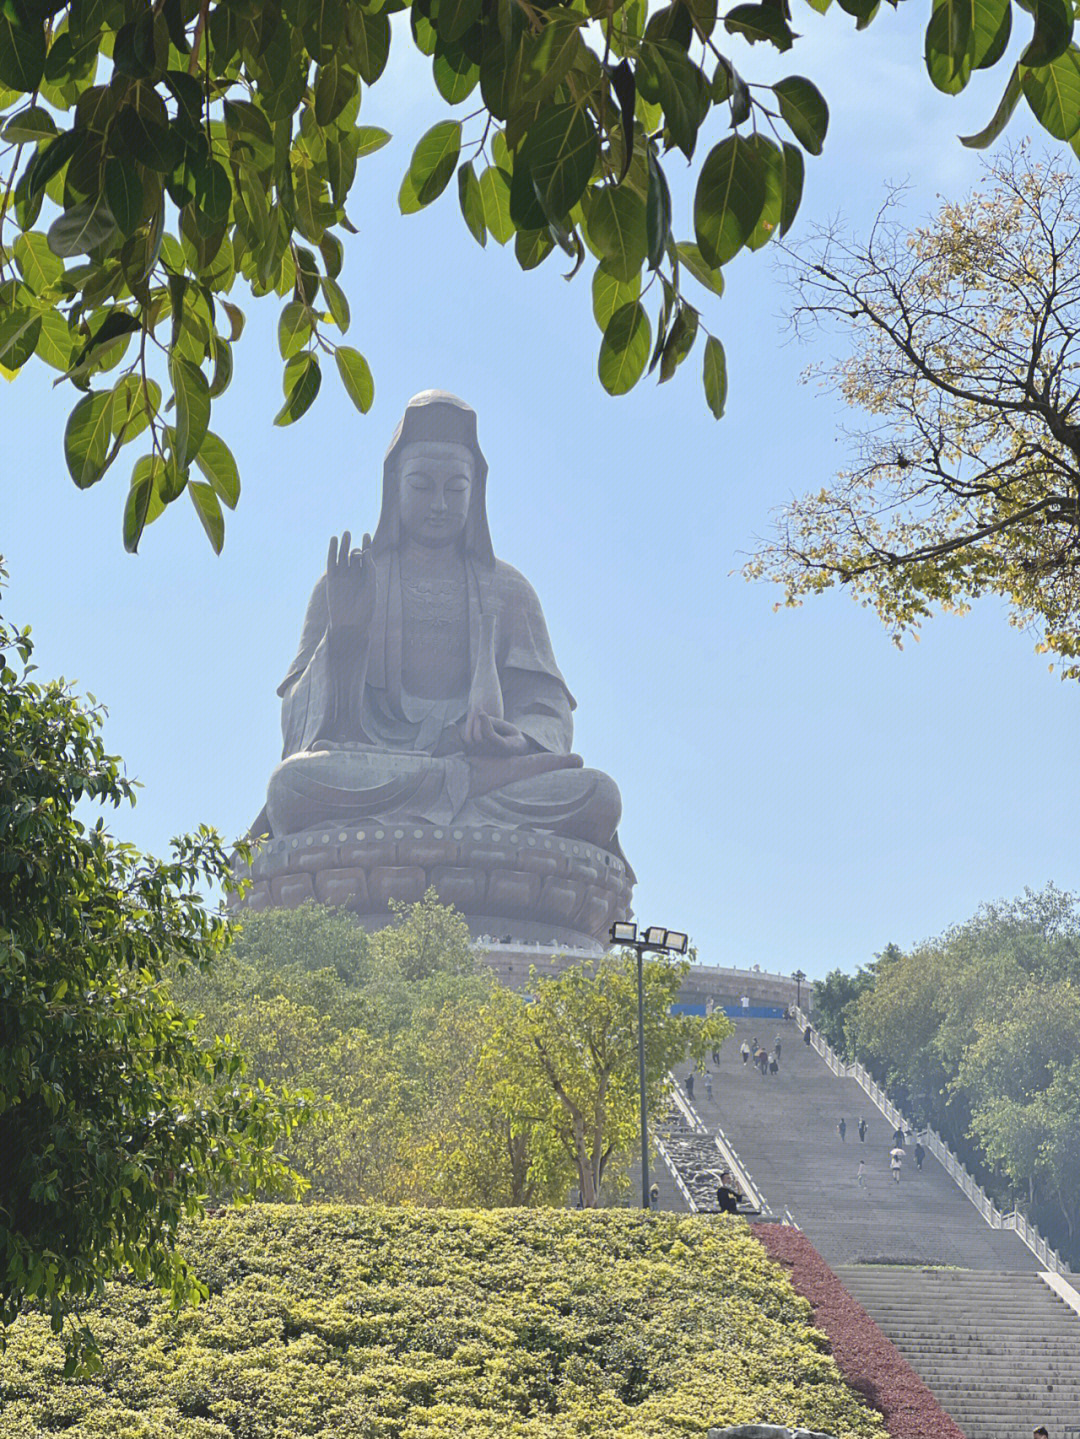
(155, 155)
(965, 370)
(115, 1121)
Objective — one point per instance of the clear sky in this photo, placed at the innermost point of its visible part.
(796, 791)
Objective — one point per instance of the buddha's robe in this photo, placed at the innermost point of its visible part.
(358, 747)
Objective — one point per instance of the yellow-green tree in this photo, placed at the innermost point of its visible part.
(964, 369)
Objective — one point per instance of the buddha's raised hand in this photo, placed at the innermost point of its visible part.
(350, 584)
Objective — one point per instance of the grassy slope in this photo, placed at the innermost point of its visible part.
(404, 1324)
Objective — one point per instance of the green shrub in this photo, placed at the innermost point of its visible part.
(350, 1323)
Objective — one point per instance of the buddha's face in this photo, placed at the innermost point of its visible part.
(435, 482)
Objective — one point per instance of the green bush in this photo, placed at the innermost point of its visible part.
(352, 1323)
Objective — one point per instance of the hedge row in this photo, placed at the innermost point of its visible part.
(351, 1323)
(869, 1361)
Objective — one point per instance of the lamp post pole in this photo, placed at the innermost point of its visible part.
(798, 977)
(660, 941)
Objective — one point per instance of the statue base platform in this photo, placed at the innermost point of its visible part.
(508, 884)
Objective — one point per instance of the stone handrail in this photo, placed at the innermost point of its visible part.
(941, 1152)
(673, 1170)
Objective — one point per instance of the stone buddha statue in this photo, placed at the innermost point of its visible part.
(424, 691)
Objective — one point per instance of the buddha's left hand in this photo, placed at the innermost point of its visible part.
(484, 735)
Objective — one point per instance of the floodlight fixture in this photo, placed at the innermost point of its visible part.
(623, 933)
(656, 934)
(676, 942)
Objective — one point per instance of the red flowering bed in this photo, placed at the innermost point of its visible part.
(870, 1363)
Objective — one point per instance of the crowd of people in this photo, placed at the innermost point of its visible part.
(897, 1154)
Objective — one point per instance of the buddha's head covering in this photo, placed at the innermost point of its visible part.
(436, 415)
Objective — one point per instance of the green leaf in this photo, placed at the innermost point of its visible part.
(558, 155)
(471, 201)
(609, 293)
(1053, 32)
(532, 247)
(804, 110)
(213, 192)
(657, 212)
(760, 22)
(56, 343)
(369, 138)
(29, 126)
(1053, 92)
(729, 199)
(434, 160)
(715, 377)
(192, 392)
(947, 45)
(208, 510)
(454, 17)
(680, 342)
(369, 37)
(990, 31)
(124, 192)
(615, 224)
(294, 328)
(772, 158)
(301, 382)
(87, 436)
(456, 75)
(38, 266)
(82, 228)
(356, 377)
(705, 274)
(549, 57)
(624, 350)
(51, 159)
(215, 459)
(495, 197)
(794, 167)
(22, 48)
(336, 303)
(154, 145)
(1001, 117)
(19, 331)
(666, 73)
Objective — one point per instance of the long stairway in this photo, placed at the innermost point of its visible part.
(965, 1328)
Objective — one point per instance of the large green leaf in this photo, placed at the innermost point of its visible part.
(192, 391)
(434, 160)
(760, 22)
(56, 343)
(456, 74)
(624, 349)
(215, 459)
(82, 228)
(52, 158)
(794, 169)
(19, 331)
(356, 377)
(124, 192)
(22, 48)
(705, 274)
(208, 510)
(294, 328)
(768, 222)
(370, 138)
(990, 30)
(804, 110)
(666, 73)
(301, 382)
(729, 199)
(495, 198)
(87, 436)
(548, 58)
(558, 155)
(1053, 32)
(715, 376)
(657, 212)
(948, 45)
(454, 17)
(39, 267)
(1053, 92)
(472, 203)
(615, 225)
(1001, 117)
(29, 126)
(610, 293)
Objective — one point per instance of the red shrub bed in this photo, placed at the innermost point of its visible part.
(871, 1363)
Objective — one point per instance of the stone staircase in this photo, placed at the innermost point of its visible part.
(998, 1348)
(1000, 1351)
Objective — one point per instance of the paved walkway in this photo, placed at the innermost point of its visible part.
(784, 1129)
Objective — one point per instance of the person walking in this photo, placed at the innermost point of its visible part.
(862, 1174)
(774, 1064)
(841, 1129)
(920, 1155)
(708, 1085)
(654, 1198)
(761, 1059)
(745, 1051)
(690, 1084)
(862, 1131)
(776, 1046)
(896, 1159)
(898, 1136)
(807, 1036)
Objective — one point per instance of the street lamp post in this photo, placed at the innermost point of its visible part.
(798, 977)
(658, 941)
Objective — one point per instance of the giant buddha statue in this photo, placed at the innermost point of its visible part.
(428, 729)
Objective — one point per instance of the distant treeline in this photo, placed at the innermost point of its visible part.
(977, 1034)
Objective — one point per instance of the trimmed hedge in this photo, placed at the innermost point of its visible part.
(868, 1360)
(350, 1323)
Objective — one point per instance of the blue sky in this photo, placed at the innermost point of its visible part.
(796, 791)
